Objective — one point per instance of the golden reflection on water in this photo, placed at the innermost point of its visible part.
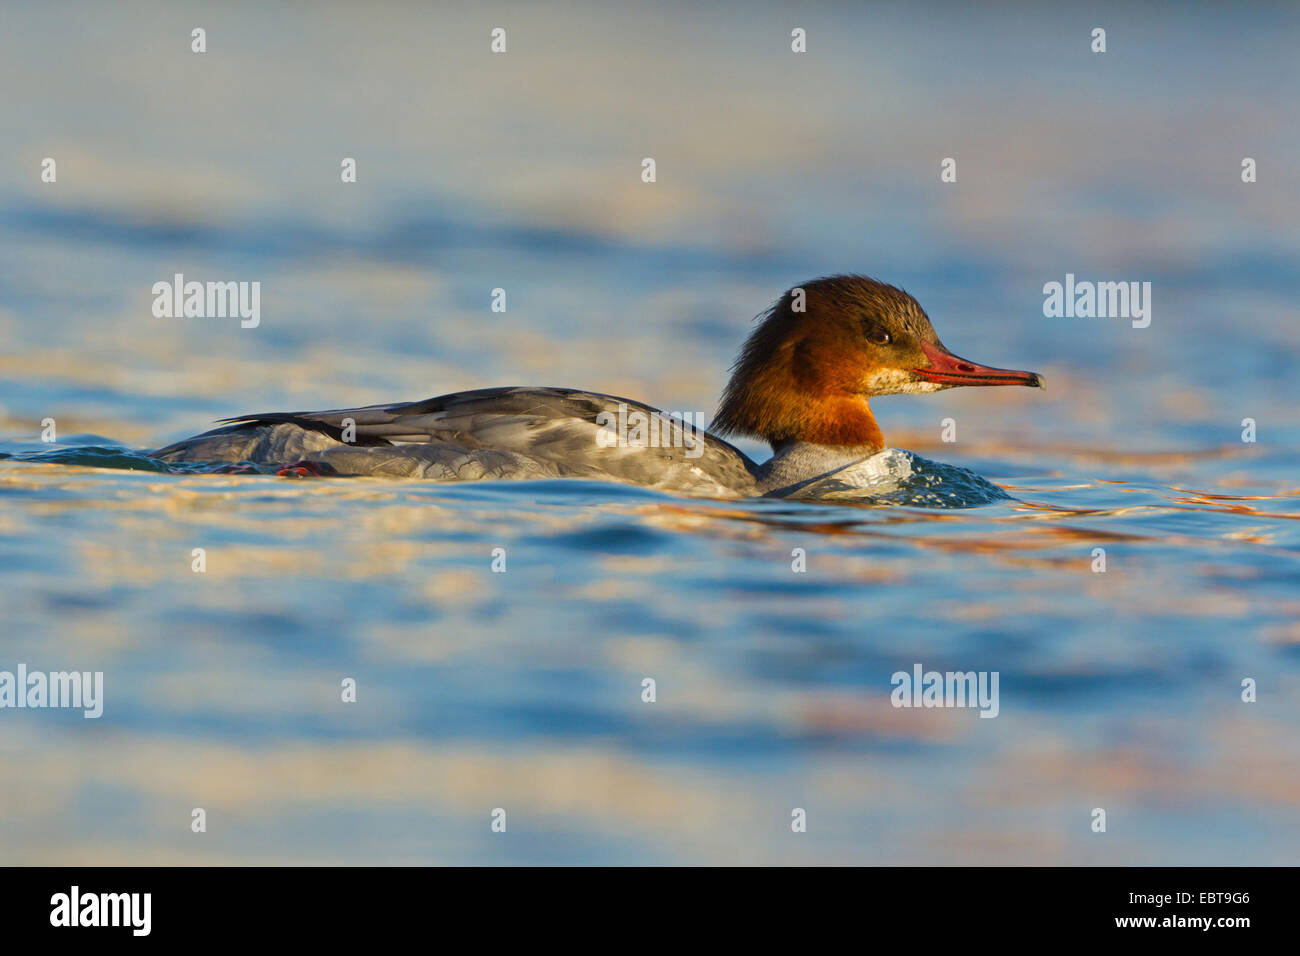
(420, 545)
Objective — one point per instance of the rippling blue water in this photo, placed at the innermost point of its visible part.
(522, 689)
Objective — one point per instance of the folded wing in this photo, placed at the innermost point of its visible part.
(486, 433)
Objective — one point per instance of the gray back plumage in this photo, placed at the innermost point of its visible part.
(485, 433)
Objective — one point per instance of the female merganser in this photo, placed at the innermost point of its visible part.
(801, 383)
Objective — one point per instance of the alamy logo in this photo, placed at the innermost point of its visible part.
(102, 909)
(923, 688)
(208, 300)
(82, 690)
(1101, 300)
(638, 429)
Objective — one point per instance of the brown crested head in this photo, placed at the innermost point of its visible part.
(824, 348)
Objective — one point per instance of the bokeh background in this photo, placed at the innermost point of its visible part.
(523, 690)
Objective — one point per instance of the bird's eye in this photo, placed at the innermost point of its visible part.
(878, 336)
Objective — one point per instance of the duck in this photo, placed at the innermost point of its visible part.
(802, 383)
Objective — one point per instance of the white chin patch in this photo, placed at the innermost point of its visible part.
(895, 381)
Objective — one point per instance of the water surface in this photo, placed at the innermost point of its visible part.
(523, 690)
